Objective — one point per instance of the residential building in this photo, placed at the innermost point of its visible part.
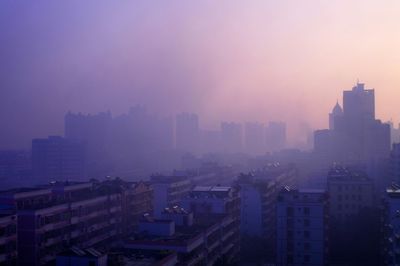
(395, 163)
(62, 215)
(8, 240)
(205, 201)
(349, 191)
(205, 240)
(82, 257)
(137, 200)
(168, 191)
(302, 228)
(391, 226)
(259, 192)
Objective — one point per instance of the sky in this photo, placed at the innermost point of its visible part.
(249, 60)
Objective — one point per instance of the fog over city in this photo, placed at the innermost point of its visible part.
(194, 133)
(226, 61)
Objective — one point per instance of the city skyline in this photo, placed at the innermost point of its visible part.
(253, 61)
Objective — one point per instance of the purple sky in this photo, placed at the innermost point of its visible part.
(226, 60)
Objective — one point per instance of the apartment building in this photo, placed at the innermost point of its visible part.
(349, 192)
(168, 191)
(62, 215)
(302, 227)
(8, 240)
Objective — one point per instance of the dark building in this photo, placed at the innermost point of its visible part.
(58, 158)
(355, 136)
(302, 228)
(54, 218)
(8, 240)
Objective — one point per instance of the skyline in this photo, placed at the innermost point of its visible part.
(220, 60)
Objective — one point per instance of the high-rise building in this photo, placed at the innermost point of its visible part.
(275, 136)
(58, 159)
(359, 103)
(302, 227)
(187, 132)
(395, 164)
(336, 113)
(254, 138)
(355, 135)
(231, 137)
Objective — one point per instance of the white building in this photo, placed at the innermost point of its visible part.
(168, 191)
(302, 227)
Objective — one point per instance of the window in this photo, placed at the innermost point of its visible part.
(306, 222)
(306, 234)
(289, 211)
(307, 211)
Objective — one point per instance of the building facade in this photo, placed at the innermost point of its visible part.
(302, 228)
(8, 240)
(168, 191)
(349, 193)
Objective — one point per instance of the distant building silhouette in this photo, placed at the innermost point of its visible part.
(275, 136)
(187, 132)
(355, 135)
(254, 138)
(58, 158)
(231, 137)
(337, 112)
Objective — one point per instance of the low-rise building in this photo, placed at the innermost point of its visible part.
(62, 215)
(82, 257)
(203, 242)
(217, 200)
(168, 191)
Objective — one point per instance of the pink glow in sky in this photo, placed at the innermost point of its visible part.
(226, 60)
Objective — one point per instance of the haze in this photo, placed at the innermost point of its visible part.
(225, 60)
